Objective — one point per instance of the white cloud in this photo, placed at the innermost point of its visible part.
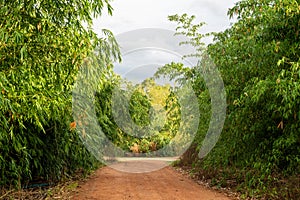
(130, 15)
(134, 14)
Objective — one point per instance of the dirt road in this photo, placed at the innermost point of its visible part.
(164, 184)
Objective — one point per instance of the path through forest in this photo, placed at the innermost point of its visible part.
(164, 184)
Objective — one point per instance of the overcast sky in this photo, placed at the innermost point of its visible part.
(133, 14)
(130, 15)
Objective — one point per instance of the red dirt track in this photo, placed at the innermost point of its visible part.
(163, 184)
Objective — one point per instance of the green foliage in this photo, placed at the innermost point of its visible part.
(139, 108)
(258, 58)
(147, 124)
(42, 45)
(262, 54)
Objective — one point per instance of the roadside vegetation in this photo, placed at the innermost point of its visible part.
(43, 45)
(258, 57)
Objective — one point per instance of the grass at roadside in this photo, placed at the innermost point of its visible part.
(63, 190)
(233, 183)
(59, 191)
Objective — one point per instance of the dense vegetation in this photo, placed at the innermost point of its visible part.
(147, 124)
(258, 57)
(42, 46)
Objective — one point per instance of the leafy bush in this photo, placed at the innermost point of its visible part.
(141, 125)
(42, 46)
(258, 58)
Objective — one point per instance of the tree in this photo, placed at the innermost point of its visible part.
(258, 57)
(145, 116)
(43, 44)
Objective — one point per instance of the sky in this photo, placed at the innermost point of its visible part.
(133, 14)
(145, 34)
